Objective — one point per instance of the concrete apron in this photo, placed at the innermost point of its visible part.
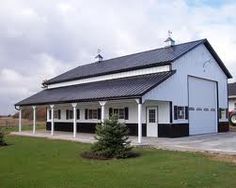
(223, 143)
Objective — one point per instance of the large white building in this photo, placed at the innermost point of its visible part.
(178, 90)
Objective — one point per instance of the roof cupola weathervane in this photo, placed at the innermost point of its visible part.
(99, 56)
(169, 41)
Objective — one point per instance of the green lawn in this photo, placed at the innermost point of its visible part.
(35, 162)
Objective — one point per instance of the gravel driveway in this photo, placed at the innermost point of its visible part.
(224, 143)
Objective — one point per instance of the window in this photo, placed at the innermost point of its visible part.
(69, 114)
(57, 114)
(119, 112)
(234, 106)
(92, 114)
(152, 115)
(180, 112)
(223, 113)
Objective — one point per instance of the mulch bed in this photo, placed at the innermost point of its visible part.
(97, 156)
(4, 144)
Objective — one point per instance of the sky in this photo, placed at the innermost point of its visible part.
(40, 39)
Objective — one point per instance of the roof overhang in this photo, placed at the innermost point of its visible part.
(117, 89)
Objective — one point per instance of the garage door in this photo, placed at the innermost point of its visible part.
(202, 106)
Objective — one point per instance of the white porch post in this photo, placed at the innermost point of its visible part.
(20, 118)
(52, 119)
(102, 104)
(75, 118)
(139, 120)
(34, 118)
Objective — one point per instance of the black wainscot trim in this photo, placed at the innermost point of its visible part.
(223, 127)
(91, 127)
(173, 130)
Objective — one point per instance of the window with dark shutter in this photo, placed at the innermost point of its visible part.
(180, 112)
(78, 113)
(186, 112)
(126, 113)
(175, 112)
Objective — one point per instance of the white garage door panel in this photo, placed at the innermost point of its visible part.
(202, 106)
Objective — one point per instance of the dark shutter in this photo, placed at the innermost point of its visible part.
(126, 113)
(50, 114)
(59, 114)
(227, 113)
(78, 113)
(110, 112)
(171, 113)
(175, 112)
(86, 114)
(99, 113)
(67, 114)
(220, 109)
(186, 112)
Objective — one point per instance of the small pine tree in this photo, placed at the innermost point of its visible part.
(112, 139)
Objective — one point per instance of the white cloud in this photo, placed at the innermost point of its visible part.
(40, 39)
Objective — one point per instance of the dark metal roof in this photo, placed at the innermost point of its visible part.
(131, 87)
(232, 89)
(149, 58)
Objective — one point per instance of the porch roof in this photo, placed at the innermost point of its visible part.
(124, 88)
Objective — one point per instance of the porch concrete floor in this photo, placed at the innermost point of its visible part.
(223, 143)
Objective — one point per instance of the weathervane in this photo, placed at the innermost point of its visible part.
(169, 33)
(205, 64)
(99, 51)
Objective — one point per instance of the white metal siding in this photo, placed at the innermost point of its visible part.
(175, 88)
(113, 76)
(163, 113)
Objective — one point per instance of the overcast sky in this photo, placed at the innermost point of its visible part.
(40, 39)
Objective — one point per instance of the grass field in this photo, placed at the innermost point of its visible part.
(11, 124)
(36, 162)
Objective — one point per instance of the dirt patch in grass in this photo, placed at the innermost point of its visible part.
(222, 157)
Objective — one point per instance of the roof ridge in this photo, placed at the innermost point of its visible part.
(200, 40)
(142, 52)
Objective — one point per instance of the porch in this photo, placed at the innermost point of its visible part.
(79, 106)
(71, 120)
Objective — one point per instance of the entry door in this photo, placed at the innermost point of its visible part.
(152, 129)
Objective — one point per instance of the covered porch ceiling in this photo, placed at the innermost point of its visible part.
(116, 89)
